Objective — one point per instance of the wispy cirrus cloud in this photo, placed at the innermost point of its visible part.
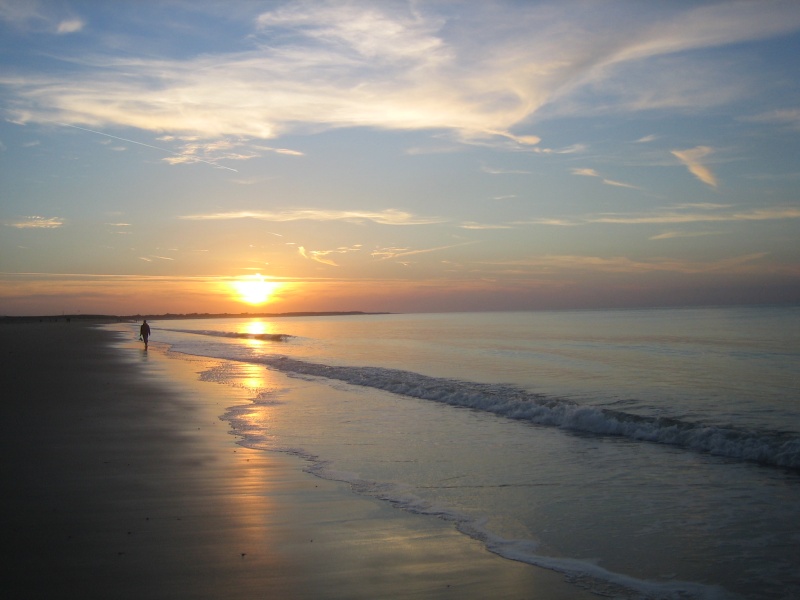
(390, 253)
(193, 150)
(479, 226)
(499, 171)
(673, 217)
(669, 235)
(70, 26)
(785, 117)
(765, 214)
(385, 217)
(284, 151)
(701, 206)
(36, 222)
(324, 256)
(152, 258)
(623, 265)
(120, 228)
(592, 173)
(317, 255)
(175, 158)
(34, 16)
(573, 149)
(310, 66)
(693, 158)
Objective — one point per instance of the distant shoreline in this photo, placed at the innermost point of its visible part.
(168, 316)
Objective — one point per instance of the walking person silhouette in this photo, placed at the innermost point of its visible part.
(144, 332)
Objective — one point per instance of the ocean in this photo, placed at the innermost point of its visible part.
(649, 453)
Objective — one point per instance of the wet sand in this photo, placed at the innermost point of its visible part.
(120, 481)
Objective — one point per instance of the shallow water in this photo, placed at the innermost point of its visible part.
(639, 452)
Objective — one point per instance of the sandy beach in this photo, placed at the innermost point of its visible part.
(122, 482)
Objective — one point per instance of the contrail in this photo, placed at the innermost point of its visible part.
(194, 158)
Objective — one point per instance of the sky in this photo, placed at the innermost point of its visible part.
(399, 156)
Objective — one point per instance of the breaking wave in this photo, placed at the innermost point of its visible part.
(266, 337)
(766, 447)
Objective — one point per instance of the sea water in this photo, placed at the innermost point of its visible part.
(642, 453)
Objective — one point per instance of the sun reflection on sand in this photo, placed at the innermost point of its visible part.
(242, 505)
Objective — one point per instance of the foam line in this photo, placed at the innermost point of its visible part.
(772, 448)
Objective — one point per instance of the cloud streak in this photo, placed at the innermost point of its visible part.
(322, 256)
(759, 214)
(176, 159)
(37, 223)
(316, 255)
(693, 159)
(670, 235)
(32, 16)
(593, 173)
(782, 117)
(625, 265)
(390, 253)
(385, 217)
(70, 26)
(331, 64)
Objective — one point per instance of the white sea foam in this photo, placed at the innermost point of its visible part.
(583, 573)
(773, 448)
(766, 447)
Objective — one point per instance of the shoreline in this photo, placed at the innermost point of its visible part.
(124, 482)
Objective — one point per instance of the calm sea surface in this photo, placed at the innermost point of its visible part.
(643, 453)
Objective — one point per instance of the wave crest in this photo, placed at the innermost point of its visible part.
(266, 337)
(772, 448)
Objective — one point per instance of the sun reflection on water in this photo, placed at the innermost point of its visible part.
(257, 327)
(252, 378)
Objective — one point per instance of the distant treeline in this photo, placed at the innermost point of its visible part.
(62, 318)
(112, 318)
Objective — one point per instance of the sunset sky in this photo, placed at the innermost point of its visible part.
(403, 156)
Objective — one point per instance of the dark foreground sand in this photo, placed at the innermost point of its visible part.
(120, 481)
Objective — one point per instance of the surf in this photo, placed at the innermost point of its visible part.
(771, 448)
(264, 337)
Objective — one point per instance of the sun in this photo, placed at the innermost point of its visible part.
(254, 289)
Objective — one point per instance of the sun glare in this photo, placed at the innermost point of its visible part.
(254, 289)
